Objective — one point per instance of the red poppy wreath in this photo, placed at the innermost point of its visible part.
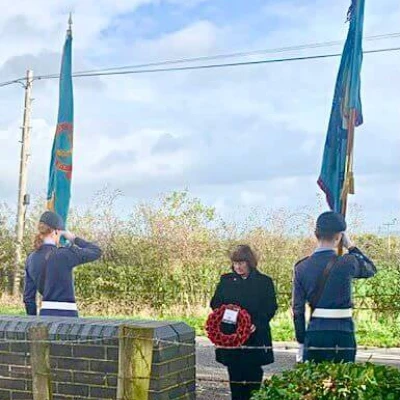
(243, 327)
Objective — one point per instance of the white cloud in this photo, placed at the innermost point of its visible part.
(249, 198)
(246, 136)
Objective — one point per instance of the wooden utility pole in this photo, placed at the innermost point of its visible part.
(388, 225)
(22, 196)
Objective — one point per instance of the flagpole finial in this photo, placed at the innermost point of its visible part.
(70, 23)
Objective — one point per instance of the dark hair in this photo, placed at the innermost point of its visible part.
(243, 252)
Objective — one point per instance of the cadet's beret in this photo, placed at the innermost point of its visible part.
(331, 222)
(52, 220)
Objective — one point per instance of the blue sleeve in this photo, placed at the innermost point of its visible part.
(82, 252)
(299, 307)
(363, 266)
(29, 293)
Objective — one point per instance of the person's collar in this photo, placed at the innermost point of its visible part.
(49, 241)
(322, 249)
(251, 273)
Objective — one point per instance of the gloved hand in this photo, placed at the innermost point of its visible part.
(299, 355)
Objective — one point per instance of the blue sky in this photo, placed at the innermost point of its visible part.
(240, 139)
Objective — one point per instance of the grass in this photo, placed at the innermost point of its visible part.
(371, 331)
(11, 310)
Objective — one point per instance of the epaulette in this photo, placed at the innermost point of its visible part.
(300, 261)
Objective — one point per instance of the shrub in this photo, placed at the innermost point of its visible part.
(329, 381)
(168, 256)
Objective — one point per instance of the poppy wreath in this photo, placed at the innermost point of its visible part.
(243, 327)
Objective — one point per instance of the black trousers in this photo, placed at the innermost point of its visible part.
(324, 339)
(238, 374)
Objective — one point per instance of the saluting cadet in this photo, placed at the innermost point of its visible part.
(49, 269)
(324, 281)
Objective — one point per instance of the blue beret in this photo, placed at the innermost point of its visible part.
(52, 220)
(331, 222)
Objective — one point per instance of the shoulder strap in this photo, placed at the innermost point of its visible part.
(322, 282)
(42, 278)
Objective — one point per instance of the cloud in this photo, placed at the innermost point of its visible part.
(115, 158)
(167, 144)
(237, 137)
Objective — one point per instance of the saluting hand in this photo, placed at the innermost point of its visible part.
(347, 243)
(69, 236)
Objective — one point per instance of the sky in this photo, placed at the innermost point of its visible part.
(238, 138)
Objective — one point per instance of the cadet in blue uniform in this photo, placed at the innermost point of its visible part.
(324, 280)
(49, 269)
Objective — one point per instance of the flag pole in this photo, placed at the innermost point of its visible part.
(348, 187)
(60, 171)
(70, 23)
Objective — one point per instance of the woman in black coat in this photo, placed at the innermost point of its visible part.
(255, 292)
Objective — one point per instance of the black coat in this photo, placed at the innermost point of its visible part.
(256, 295)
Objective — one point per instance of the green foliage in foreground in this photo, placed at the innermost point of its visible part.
(333, 382)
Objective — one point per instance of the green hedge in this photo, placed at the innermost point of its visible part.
(167, 257)
(329, 381)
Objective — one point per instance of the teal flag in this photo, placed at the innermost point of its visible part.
(59, 186)
(346, 101)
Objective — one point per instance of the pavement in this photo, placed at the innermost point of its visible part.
(212, 377)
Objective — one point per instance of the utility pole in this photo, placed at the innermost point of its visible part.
(23, 198)
(388, 225)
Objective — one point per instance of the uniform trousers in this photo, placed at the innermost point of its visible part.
(330, 339)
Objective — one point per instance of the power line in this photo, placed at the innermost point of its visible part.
(240, 54)
(231, 55)
(211, 66)
(19, 80)
(106, 72)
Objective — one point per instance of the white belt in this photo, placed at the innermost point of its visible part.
(59, 305)
(332, 313)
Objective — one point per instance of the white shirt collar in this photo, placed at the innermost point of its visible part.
(321, 249)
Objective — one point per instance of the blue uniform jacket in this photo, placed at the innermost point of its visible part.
(59, 283)
(337, 291)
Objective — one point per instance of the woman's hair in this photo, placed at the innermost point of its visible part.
(243, 252)
(43, 231)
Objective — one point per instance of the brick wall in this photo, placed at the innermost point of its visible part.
(84, 358)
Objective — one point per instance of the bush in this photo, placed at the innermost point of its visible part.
(167, 257)
(329, 381)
